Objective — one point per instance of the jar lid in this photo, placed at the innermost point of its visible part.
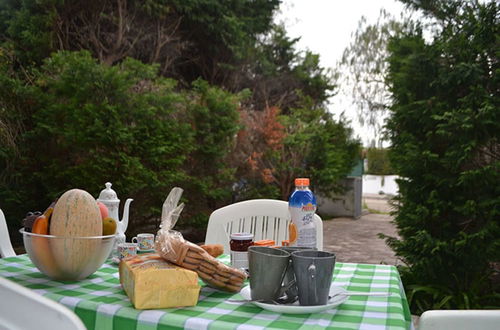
(108, 194)
(241, 236)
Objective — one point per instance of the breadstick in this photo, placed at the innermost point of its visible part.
(203, 256)
(233, 288)
(189, 266)
(217, 283)
(235, 279)
(209, 266)
(228, 272)
(220, 278)
(211, 260)
(204, 276)
(192, 260)
(195, 248)
(206, 269)
(194, 255)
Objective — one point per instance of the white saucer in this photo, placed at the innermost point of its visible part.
(335, 291)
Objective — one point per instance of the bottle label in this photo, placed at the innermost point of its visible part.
(307, 238)
(239, 259)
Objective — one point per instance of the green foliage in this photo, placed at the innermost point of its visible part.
(232, 44)
(445, 134)
(26, 28)
(378, 162)
(279, 74)
(213, 114)
(90, 123)
(148, 95)
(332, 150)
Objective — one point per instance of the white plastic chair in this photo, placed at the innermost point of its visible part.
(264, 218)
(6, 249)
(460, 320)
(22, 308)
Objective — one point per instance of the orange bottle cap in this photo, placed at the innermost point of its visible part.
(301, 182)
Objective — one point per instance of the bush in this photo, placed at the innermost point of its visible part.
(445, 134)
(84, 123)
(378, 162)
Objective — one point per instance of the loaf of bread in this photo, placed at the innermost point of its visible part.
(152, 282)
(214, 250)
(176, 249)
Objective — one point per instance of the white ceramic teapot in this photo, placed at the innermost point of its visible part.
(109, 198)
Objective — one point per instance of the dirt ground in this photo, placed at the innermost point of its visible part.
(356, 240)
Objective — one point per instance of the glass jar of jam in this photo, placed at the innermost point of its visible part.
(240, 242)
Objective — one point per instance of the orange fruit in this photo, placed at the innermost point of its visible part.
(292, 229)
(41, 225)
(108, 226)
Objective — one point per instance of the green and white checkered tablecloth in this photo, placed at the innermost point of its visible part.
(102, 304)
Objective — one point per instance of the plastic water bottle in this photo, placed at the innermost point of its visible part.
(302, 207)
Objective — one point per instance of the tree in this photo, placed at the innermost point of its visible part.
(278, 148)
(83, 123)
(147, 94)
(364, 66)
(189, 39)
(445, 132)
(229, 44)
(378, 162)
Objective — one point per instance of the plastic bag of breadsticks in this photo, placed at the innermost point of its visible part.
(174, 248)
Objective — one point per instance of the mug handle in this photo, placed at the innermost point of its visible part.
(132, 240)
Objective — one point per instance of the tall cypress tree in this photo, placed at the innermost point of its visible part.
(445, 134)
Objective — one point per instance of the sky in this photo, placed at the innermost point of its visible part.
(325, 27)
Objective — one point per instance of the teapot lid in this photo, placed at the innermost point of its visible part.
(108, 194)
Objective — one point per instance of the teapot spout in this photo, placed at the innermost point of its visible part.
(123, 224)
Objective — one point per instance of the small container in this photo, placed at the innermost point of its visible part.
(240, 242)
(265, 242)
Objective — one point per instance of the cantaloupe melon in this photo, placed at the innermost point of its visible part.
(76, 214)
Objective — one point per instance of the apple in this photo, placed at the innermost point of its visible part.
(104, 210)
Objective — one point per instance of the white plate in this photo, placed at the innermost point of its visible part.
(335, 291)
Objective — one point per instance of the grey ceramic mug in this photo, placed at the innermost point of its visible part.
(313, 272)
(267, 267)
(289, 281)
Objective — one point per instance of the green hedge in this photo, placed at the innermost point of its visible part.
(81, 123)
(378, 162)
(445, 134)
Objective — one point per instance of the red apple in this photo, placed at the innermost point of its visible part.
(104, 210)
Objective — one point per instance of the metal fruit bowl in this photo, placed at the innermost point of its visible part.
(67, 258)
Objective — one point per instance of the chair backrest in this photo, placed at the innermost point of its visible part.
(22, 308)
(460, 320)
(6, 249)
(264, 218)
